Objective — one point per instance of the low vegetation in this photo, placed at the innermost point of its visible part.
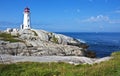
(54, 39)
(8, 37)
(108, 68)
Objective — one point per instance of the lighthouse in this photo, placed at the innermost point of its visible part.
(26, 19)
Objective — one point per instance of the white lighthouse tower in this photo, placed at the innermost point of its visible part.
(26, 20)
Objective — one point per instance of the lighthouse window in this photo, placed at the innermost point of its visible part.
(28, 20)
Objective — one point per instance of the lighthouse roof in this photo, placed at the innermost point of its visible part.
(26, 9)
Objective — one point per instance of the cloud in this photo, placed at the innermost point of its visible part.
(101, 18)
(98, 18)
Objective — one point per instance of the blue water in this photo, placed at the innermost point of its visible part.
(101, 43)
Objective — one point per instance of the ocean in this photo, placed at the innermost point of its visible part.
(103, 44)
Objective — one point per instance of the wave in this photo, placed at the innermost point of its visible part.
(81, 40)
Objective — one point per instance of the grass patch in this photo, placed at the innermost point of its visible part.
(54, 39)
(108, 68)
(9, 37)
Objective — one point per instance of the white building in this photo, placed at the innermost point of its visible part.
(26, 19)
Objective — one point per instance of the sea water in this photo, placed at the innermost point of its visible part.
(101, 43)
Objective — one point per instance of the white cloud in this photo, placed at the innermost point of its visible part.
(98, 18)
(101, 18)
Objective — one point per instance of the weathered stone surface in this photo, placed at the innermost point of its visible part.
(12, 48)
(43, 35)
(40, 43)
(43, 46)
(68, 59)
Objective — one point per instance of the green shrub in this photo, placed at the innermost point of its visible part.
(5, 35)
(107, 68)
(8, 37)
(115, 54)
(54, 39)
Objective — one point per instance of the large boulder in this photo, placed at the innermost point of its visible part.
(43, 35)
(12, 48)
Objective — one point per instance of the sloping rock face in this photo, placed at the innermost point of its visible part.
(6, 59)
(42, 43)
(11, 48)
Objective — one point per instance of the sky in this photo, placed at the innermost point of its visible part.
(63, 15)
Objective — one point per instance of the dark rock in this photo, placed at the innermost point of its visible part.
(81, 45)
(90, 54)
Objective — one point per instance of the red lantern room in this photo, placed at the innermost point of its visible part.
(26, 10)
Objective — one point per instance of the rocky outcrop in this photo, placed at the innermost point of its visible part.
(11, 48)
(42, 46)
(67, 59)
(43, 43)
